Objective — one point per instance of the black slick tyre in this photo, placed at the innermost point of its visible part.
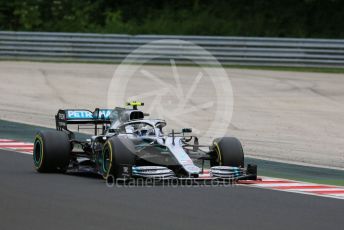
(118, 153)
(51, 151)
(228, 151)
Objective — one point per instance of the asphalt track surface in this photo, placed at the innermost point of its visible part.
(52, 201)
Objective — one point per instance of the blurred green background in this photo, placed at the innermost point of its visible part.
(274, 18)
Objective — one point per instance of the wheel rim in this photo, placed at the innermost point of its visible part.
(218, 152)
(107, 160)
(38, 152)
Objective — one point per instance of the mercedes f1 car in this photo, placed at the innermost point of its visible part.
(127, 145)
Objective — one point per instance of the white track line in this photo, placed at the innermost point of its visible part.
(300, 187)
(16, 144)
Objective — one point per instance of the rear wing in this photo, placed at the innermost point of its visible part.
(64, 117)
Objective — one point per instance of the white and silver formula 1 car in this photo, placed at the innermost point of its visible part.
(126, 145)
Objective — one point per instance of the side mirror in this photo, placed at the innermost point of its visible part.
(187, 130)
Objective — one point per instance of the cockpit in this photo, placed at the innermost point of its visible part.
(131, 121)
(140, 129)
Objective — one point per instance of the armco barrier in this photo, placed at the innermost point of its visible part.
(227, 50)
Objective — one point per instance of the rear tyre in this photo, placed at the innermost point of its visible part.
(51, 151)
(228, 151)
(118, 153)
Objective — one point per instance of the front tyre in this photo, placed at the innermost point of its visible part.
(51, 151)
(227, 151)
(118, 152)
